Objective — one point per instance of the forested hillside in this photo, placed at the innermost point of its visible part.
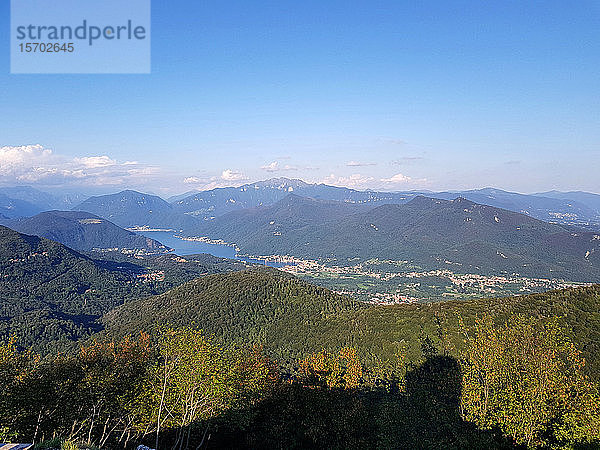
(259, 306)
(51, 295)
(289, 317)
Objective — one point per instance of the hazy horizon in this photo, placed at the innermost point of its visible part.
(91, 190)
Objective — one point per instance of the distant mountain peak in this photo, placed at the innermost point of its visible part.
(127, 194)
(464, 202)
(422, 200)
(131, 208)
(131, 192)
(281, 183)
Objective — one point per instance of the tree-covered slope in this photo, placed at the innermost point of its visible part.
(83, 231)
(290, 317)
(51, 295)
(50, 292)
(260, 306)
(383, 329)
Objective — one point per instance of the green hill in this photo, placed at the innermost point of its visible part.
(290, 317)
(260, 306)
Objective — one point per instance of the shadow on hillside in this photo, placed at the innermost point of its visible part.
(425, 416)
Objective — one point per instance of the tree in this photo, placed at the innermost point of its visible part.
(195, 380)
(526, 378)
(14, 367)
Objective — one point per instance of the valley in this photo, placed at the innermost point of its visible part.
(392, 282)
(374, 281)
(376, 247)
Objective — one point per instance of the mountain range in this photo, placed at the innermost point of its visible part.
(219, 201)
(25, 201)
(582, 209)
(431, 233)
(244, 214)
(130, 208)
(127, 208)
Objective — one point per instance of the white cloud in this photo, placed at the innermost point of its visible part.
(96, 161)
(227, 178)
(397, 179)
(355, 180)
(51, 175)
(272, 167)
(232, 175)
(41, 166)
(360, 164)
(13, 159)
(144, 170)
(18, 161)
(209, 183)
(275, 167)
(362, 182)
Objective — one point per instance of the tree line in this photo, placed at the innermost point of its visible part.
(517, 384)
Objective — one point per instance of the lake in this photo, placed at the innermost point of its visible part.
(183, 247)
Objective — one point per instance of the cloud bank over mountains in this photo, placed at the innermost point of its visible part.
(41, 166)
(44, 167)
(38, 165)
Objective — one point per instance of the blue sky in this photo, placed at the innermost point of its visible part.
(390, 95)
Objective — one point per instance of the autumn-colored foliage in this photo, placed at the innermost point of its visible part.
(339, 370)
(521, 382)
